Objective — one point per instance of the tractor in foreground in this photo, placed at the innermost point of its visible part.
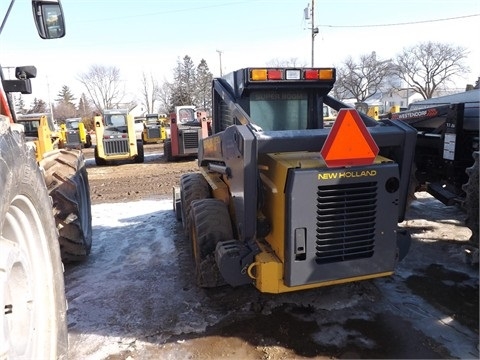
(282, 202)
(44, 215)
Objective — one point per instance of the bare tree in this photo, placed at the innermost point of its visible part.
(427, 66)
(164, 96)
(364, 79)
(150, 92)
(104, 86)
(64, 110)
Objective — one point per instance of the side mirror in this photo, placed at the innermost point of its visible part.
(48, 16)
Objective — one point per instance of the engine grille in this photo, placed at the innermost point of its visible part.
(345, 222)
(153, 133)
(190, 139)
(73, 138)
(115, 146)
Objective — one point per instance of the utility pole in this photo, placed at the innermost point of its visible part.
(314, 32)
(220, 58)
(50, 101)
(311, 13)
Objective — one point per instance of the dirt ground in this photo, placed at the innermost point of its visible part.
(130, 182)
(151, 308)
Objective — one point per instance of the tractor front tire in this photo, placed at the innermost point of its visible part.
(98, 160)
(33, 323)
(67, 182)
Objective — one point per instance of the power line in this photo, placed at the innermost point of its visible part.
(164, 12)
(400, 24)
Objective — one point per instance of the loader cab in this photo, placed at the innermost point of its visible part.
(115, 120)
(72, 124)
(31, 123)
(186, 116)
(276, 99)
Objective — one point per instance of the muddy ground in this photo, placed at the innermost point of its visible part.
(135, 297)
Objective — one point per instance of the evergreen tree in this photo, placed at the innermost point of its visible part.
(183, 87)
(38, 106)
(20, 105)
(85, 109)
(65, 96)
(203, 93)
(65, 107)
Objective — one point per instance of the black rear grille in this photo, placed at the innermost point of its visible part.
(153, 133)
(115, 146)
(346, 216)
(73, 138)
(190, 139)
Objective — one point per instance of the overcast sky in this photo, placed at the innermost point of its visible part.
(151, 35)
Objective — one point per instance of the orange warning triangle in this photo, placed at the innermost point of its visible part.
(349, 142)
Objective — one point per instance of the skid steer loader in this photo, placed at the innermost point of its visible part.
(116, 138)
(285, 204)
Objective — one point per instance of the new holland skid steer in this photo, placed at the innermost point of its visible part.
(285, 204)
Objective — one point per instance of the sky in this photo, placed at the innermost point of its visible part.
(151, 36)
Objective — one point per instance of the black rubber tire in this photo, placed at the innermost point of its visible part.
(177, 204)
(67, 182)
(167, 150)
(88, 141)
(32, 291)
(471, 199)
(210, 224)
(140, 158)
(98, 160)
(193, 186)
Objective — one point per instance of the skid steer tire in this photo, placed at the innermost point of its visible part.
(67, 182)
(98, 160)
(471, 199)
(210, 223)
(193, 186)
(33, 323)
(88, 141)
(140, 158)
(167, 150)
